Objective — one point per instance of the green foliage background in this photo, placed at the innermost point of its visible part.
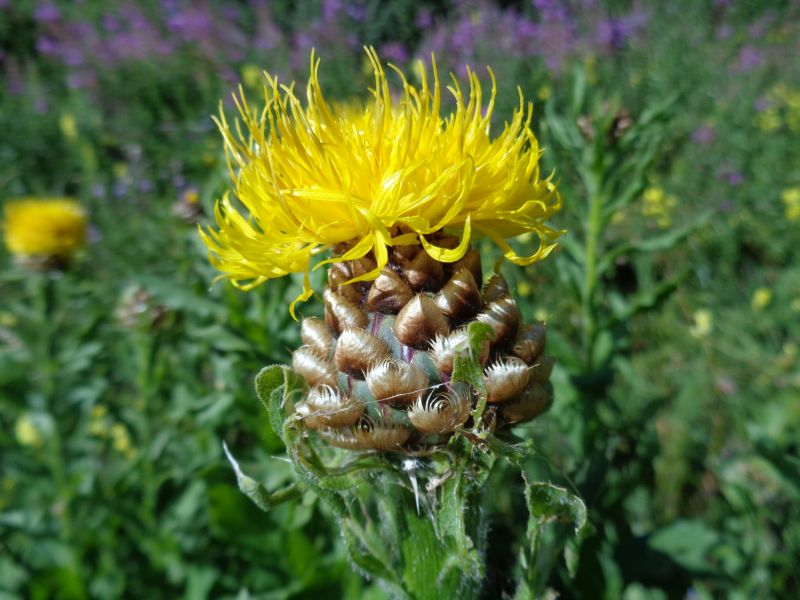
(677, 418)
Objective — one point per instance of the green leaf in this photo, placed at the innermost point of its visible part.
(276, 385)
(367, 562)
(654, 244)
(686, 542)
(257, 492)
(548, 503)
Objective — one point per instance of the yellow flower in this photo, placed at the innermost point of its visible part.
(658, 205)
(761, 298)
(544, 92)
(388, 173)
(121, 440)
(703, 323)
(69, 127)
(251, 75)
(791, 202)
(50, 227)
(27, 433)
(769, 120)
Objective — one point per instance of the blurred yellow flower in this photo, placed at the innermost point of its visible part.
(791, 203)
(99, 411)
(48, 227)
(703, 323)
(544, 92)
(7, 319)
(251, 75)
(121, 440)
(191, 196)
(769, 120)
(795, 305)
(27, 433)
(761, 298)
(524, 289)
(391, 172)
(69, 127)
(659, 206)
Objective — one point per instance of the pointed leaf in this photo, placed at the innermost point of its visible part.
(257, 492)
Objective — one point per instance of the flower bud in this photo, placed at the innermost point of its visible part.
(460, 296)
(396, 382)
(419, 322)
(506, 379)
(341, 313)
(313, 368)
(357, 351)
(389, 293)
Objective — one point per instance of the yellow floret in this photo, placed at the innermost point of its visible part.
(50, 227)
(391, 172)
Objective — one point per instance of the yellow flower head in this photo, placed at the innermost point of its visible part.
(703, 323)
(761, 298)
(49, 227)
(391, 172)
(27, 433)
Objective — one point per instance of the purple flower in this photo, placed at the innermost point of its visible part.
(733, 177)
(110, 23)
(615, 33)
(48, 46)
(749, 58)
(120, 188)
(762, 104)
(703, 135)
(357, 12)
(424, 19)
(47, 13)
(395, 52)
(330, 10)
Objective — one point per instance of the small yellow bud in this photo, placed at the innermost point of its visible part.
(761, 298)
(27, 433)
(251, 76)
(703, 323)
